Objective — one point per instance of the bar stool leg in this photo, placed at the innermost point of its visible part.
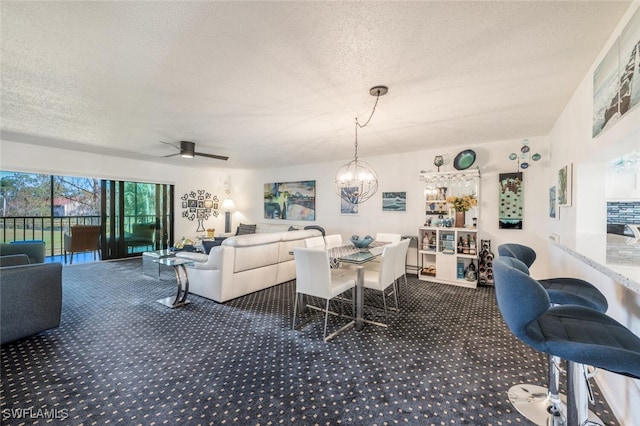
(556, 407)
(578, 390)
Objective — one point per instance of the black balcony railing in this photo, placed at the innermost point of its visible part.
(51, 230)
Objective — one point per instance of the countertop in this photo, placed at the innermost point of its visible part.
(616, 256)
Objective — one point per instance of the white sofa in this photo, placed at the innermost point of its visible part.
(243, 264)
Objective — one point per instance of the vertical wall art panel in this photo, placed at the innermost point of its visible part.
(290, 200)
(394, 201)
(511, 201)
(615, 80)
(553, 203)
(349, 201)
(565, 175)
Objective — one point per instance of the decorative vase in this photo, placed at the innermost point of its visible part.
(459, 219)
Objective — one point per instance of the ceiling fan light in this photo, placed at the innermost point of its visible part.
(187, 149)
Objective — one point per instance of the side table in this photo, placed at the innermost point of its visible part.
(150, 267)
(179, 266)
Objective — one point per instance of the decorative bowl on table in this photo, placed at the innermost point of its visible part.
(362, 242)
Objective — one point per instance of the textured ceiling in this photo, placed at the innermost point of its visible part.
(280, 83)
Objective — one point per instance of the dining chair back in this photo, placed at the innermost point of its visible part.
(333, 240)
(388, 238)
(315, 278)
(314, 242)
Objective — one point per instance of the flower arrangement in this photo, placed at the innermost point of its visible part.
(463, 203)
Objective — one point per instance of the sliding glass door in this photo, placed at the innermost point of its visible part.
(137, 217)
(134, 217)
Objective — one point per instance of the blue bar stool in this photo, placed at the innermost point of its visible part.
(538, 403)
(581, 335)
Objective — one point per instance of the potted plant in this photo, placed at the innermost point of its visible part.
(461, 205)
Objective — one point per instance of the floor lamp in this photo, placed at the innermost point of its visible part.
(227, 206)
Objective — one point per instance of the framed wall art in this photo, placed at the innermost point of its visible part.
(290, 200)
(510, 203)
(553, 203)
(565, 177)
(615, 78)
(394, 201)
(349, 201)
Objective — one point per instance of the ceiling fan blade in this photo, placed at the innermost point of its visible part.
(171, 155)
(169, 143)
(217, 157)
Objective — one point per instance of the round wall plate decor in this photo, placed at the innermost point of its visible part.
(464, 159)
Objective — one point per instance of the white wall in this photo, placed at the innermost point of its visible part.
(571, 142)
(400, 172)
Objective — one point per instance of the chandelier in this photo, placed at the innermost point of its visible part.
(356, 181)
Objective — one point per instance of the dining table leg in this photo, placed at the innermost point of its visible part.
(359, 298)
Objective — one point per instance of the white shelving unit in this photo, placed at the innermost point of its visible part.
(440, 258)
(441, 252)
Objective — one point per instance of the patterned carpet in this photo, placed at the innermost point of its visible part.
(120, 357)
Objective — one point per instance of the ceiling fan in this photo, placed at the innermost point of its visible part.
(188, 150)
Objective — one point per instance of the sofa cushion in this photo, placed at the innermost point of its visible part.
(244, 229)
(254, 257)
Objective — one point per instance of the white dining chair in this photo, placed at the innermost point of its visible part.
(333, 240)
(384, 278)
(315, 278)
(382, 237)
(314, 242)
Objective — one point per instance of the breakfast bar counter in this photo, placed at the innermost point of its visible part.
(616, 256)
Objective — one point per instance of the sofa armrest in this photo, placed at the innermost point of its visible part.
(195, 257)
(34, 249)
(14, 260)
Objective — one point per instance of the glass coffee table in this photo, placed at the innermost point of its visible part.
(180, 267)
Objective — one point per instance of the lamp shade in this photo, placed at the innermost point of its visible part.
(227, 204)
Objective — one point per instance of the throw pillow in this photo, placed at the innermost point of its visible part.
(244, 229)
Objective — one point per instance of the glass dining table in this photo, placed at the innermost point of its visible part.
(357, 257)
